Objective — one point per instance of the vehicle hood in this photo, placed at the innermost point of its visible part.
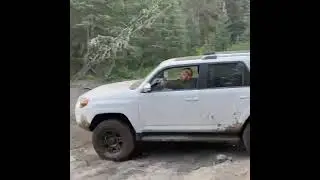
(110, 90)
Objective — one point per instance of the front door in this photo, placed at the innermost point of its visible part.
(169, 111)
(172, 110)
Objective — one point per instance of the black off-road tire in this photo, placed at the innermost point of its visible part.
(114, 126)
(246, 137)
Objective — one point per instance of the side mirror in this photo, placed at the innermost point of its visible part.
(146, 88)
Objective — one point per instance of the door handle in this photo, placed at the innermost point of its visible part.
(244, 97)
(192, 99)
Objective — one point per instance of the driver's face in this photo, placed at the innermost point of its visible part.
(185, 75)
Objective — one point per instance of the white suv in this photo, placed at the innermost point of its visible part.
(213, 106)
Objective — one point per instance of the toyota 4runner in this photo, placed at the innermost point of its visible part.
(198, 98)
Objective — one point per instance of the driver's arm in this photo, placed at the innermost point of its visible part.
(171, 85)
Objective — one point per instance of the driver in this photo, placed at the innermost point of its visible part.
(186, 74)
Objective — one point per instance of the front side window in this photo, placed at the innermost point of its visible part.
(228, 75)
(176, 78)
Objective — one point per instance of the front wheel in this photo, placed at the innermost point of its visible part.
(246, 137)
(113, 140)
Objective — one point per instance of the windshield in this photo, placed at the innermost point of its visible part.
(136, 84)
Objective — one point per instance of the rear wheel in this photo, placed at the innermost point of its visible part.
(113, 140)
(246, 137)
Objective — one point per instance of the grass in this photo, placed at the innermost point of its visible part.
(240, 46)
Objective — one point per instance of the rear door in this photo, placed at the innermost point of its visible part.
(226, 95)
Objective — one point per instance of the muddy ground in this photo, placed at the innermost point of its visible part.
(161, 161)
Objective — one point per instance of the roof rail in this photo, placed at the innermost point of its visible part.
(233, 54)
(209, 53)
(209, 57)
(225, 54)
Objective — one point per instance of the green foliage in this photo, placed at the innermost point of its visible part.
(126, 39)
(199, 51)
(240, 46)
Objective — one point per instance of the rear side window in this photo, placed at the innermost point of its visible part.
(228, 75)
